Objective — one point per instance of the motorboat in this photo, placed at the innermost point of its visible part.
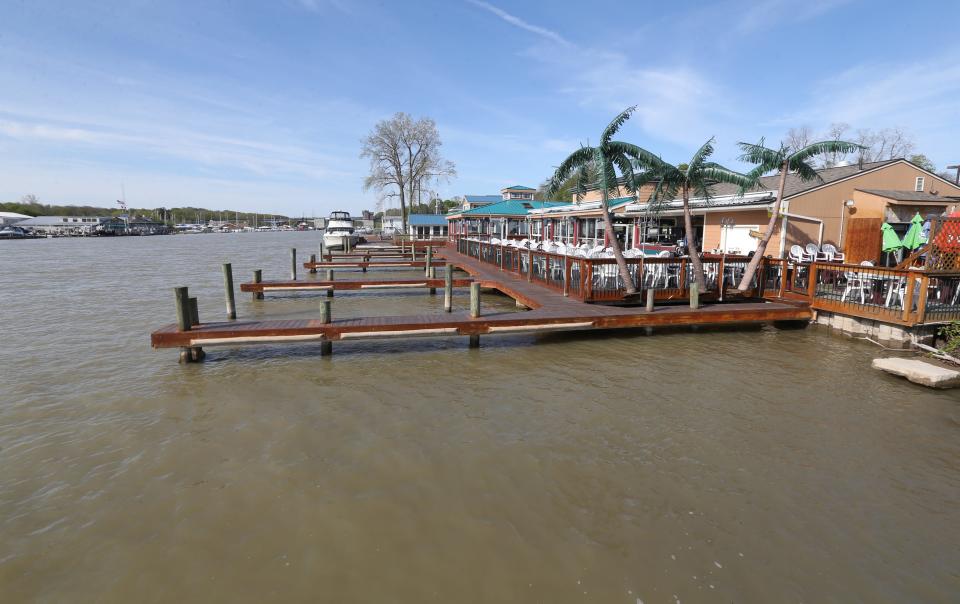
(339, 231)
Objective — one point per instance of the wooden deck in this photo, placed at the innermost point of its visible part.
(356, 284)
(373, 264)
(550, 311)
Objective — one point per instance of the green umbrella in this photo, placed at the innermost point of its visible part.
(912, 239)
(891, 242)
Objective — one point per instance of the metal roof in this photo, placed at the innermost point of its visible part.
(508, 207)
(518, 188)
(909, 195)
(427, 220)
(483, 198)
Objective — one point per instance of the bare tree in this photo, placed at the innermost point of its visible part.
(404, 156)
(798, 138)
(888, 143)
(29, 198)
(836, 131)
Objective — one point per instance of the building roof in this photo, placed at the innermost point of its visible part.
(483, 198)
(518, 188)
(427, 220)
(909, 195)
(508, 207)
(589, 206)
(59, 221)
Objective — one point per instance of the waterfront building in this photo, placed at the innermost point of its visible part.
(8, 218)
(62, 225)
(391, 225)
(425, 226)
(845, 207)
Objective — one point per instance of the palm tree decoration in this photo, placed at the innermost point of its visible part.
(783, 160)
(682, 180)
(598, 166)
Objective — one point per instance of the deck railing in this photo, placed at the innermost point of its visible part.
(902, 296)
(599, 280)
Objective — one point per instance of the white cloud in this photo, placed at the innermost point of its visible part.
(918, 95)
(765, 14)
(518, 22)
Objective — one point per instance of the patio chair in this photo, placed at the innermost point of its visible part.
(857, 284)
(797, 254)
(832, 254)
(813, 253)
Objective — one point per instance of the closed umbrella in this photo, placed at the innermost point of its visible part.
(912, 240)
(891, 243)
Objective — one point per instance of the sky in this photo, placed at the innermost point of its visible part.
(261, 105)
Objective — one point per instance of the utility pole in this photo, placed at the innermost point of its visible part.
(956, 179)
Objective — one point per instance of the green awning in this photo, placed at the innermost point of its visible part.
(890, 240)
(912, 239)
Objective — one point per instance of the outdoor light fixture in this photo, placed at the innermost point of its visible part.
(848, 203)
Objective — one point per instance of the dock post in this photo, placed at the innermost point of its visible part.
(258, 278)
(433, 275)
(429, 258)
(228, 290)
(530, 266)
(195, 352)
(194, 312)
(694, 295)
(448, 289)
(320, 247)
(326, 346)
(474, 300)
(566, 275)
(313, 260)
(650, 294)
(182, 298)
(330, 278)
(413, 252)
(293, 264)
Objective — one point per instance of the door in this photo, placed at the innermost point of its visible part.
(737, 239)
(862, 240)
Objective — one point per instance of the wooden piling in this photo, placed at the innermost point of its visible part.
(475, 312)
(320, 248)
(194, 312)
(448, 289)
(313, 260)
(257, 278)
(182, 298)
(330, 278)
(432, 275)
(293, 264)
(429, 259)
(228, 291)
(694, 295)
(474, 299)
(650, 295)
(326, 346)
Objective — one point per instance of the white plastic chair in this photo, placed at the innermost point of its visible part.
(832, 254)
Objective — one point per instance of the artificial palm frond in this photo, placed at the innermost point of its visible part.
(804, 170)
(760, 156)
(824, 147)
(580, 157)
(614, 126)
(705, 151)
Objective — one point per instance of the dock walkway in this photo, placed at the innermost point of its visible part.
(549, 311)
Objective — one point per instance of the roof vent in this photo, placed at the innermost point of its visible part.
(841, 164)
(527, 205)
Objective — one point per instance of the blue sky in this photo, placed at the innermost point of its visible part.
(262, 105)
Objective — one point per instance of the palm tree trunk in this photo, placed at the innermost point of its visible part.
(692, 242)
(628, 285)
(762, 246)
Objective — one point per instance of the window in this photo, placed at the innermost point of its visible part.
(918, 186)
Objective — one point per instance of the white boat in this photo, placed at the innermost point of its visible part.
(339, 230)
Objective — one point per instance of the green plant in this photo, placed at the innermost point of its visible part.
(951, 336)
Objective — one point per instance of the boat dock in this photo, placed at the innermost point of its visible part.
(338, 285)
(548, 311)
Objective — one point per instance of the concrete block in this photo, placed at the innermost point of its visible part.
(883, 332)
(920, 372)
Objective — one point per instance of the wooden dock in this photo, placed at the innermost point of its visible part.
(372, 264)
(550, 311)
(347, 285)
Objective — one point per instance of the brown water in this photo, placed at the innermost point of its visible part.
(762, 465)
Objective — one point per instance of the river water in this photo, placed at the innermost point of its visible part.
(758, 465)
